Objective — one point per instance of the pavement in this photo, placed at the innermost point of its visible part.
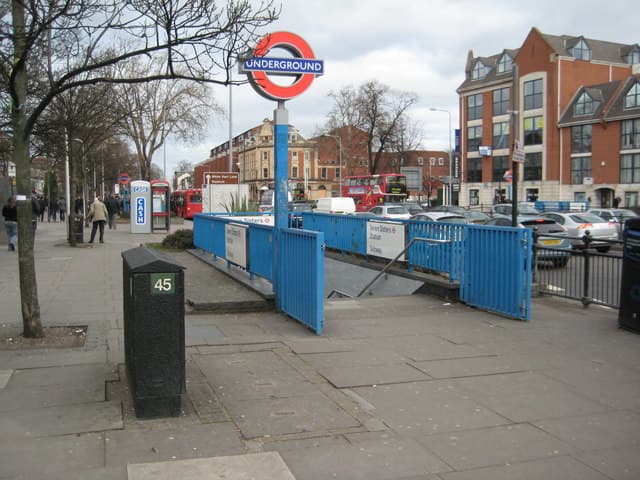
(403, 387)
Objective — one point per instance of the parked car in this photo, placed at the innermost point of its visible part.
(335, 205)
(413, 207)
(444, 217)
(507, 208)
(617, 215)
(577, 225)
(553, 245)
(473, 216)
(391, 211)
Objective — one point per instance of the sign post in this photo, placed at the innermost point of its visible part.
(304, 67)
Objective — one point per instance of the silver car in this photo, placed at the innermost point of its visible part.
(578, 224)
(617, 215)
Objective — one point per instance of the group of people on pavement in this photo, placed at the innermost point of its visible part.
(99, 213)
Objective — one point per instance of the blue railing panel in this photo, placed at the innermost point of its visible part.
(444, 253)
(261, 251)
(301, 290)
(347, 233)
(497, 271)
(208, 233)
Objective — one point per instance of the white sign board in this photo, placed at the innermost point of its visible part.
(219, 198)
(235, 237)
(385, 238)
(259, 219)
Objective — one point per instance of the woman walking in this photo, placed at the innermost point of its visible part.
(10, 214)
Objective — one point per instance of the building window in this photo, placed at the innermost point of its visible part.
(631, 134)
(440, 161)
(632, 98)
(474, 170)
(265, 156)
(474, 197)
(505, 64)
(420, 161)
(581, 51)
(474, 138)
(500, 135)
(474, 107)
(585, 105)
(532, 194)
(294, 156)
(500, 165)
(581, 139)
(306, 156)
(501, 101)
(532, 94)
(294, 172)
(634, 56)
(432, 161)
(533, 166)
(631, 199)
(580, 168)
(323, 173)
(265, 172)
(479, 71)
(630, 168)
(533, 127)
(337, 175)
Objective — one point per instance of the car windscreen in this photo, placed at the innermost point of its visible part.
(587, 218)
(544, 226)
(397, 210)
(452, 220)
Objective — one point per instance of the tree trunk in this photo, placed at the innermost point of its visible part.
(32, 326)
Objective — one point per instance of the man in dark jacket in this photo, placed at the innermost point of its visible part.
(113, 207)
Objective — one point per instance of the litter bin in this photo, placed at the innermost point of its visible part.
(77, 228)
(629, 312)
(153, 303)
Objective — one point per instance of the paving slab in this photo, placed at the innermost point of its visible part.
(291, 415)
(347, 375)
(471, 367)
(96, 473)
(61, 420)
(557, 468)
(179, 442)
(254, 466)
(37, 457)
(527, 396)
(63, 375)
(424, 408)
(427, 347)
(252, 375)
(18, 398)
(393, 458)
(594, 432)
(468, 449)
(5, 375)
(617, 463)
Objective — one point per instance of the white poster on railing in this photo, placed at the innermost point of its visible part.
(236, 243)
(385, 238)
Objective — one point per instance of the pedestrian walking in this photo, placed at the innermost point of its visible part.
(98, 215)
(62, 208)
(42, 205)
(10, 214)
(53, 209)
(113, 207)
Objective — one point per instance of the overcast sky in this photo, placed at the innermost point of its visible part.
(418, 46)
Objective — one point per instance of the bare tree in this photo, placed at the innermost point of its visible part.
(375, 109)
(48, 47)
(156, 110)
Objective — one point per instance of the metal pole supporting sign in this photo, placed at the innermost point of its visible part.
(304, 68)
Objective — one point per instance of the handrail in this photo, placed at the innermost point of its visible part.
(388, 265)
(339, 292)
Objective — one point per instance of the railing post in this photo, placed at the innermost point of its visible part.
(586, 294)
(534, 256)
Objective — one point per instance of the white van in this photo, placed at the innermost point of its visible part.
(336, 205)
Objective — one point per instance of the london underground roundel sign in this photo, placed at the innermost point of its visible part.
(303, 66)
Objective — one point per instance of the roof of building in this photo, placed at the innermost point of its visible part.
(602, 51)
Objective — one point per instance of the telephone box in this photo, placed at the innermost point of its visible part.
(160, 214)
(140, 206)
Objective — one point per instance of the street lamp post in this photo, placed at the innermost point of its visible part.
(450, 189)
(84, 178)
(339, 140)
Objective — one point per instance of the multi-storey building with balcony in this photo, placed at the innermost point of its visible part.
(571, 103)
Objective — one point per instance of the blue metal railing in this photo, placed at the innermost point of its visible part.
(346, 233)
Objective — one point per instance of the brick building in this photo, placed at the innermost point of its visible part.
(576, 114)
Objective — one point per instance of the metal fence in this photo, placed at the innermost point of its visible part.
(589, 276)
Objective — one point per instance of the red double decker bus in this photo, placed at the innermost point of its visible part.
(368, 191)
(186, 203)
